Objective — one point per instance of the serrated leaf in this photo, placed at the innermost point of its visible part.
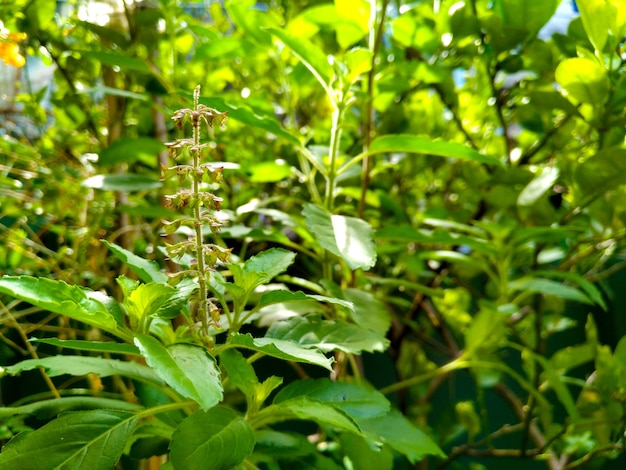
(396, 431)
(122, 182)
(262, 268)
(187, 368)
(357, 401)
(423, 145)
(148, 271)
(95, 346)
(368, 312)
(74, 441)
(148, 299)
(84, 365)
(59, 297)
(282, 349)
(328, 335)
(217, 439)
(349, 238)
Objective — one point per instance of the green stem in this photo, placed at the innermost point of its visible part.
(333, 153)
(203, 306)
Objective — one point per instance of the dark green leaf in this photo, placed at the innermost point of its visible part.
(48, 409)
(396, 431)
(239, 371)
(307, 408)
(357, 401)
(74, 441)
(95, 346)
(217, 439)
(119, 60)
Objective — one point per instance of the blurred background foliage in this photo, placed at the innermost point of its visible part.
(518, 260)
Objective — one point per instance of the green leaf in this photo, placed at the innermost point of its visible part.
(363, 455)
(59, 297)
(328, 335)
(280, 296)
(262, 268)
(119, 60)
(37, 15)
(313, 58)
(122, 182)
(47, 409)
(396, 431)
(368, 312)
(282, 349)
(584, 80)
(95, 346)
(148, 271)
(281, 444)
(74, 441)
(307, 408)
(217, 439)
(268, 172)
(349, 238)
(240, 372)
(130, 149)
(423, 145)
(357, 401)
(528, 15)
(187, 368)
(538, 187)
(359, 61)
(596, 16)
(84, 365)
(149, 299)
(592, 291)
(532, 285)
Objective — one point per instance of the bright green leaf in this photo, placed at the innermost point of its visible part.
(146, 270)
(187, 368)
(328, 335)
(240, 372)
(529, 15)
(282, 349)
(84, 365)
(530, 285)
(347, 237)
(48, 409)
(269, 172)
(59, 297)
(584, 80)
(423, 145)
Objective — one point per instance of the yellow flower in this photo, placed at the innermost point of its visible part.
(9, 47)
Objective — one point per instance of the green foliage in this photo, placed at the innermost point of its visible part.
(404, 249)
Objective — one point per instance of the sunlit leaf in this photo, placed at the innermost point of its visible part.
(187, 368)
